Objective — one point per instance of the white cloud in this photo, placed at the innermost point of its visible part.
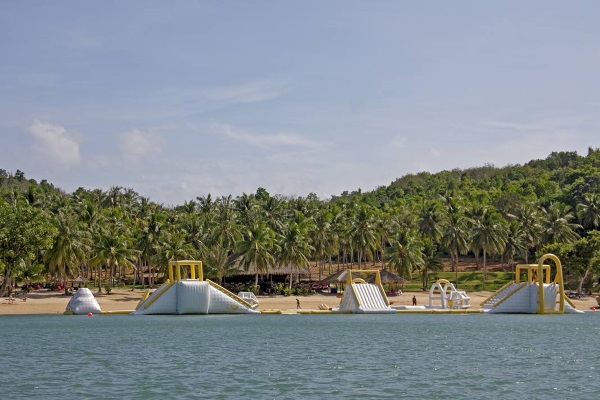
(55, 144)
(259, 140)
(137, 144)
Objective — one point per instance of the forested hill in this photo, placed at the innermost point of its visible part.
(514, 212)
(563, 176)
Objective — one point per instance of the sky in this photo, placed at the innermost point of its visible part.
(179, 99)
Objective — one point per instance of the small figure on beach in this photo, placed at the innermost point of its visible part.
(298, 303)
(534, 276)
(414, 300)
(11, 299)
(25, 295)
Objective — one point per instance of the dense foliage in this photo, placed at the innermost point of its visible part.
(513, 213)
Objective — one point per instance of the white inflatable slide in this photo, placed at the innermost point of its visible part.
(362, 297)
(192, 296)
(537, 294)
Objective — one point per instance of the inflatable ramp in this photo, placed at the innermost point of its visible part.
(362, 297)
(192, 296)
(536, 295)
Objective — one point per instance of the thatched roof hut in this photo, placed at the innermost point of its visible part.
(387, 277)
(338, 277)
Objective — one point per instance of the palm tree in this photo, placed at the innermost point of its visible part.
(113, 251)
(363, 233)
(70, 247)
(489, 235)
(257, 248)
(322, 237)
(405, 253)
(454, 234)
(89, 215)
(528, 218)
(272, 212)
(430, 219)
(340, 221)
(432, 260)
(557, 225)
(195, 231)
(227, 228)
(589, 211)
(205, 204)
(246, 207)
(150, 231)
(383, 225)
(173, 246)
(516, 243)
(295, 244)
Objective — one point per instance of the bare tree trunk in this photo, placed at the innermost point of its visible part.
(484, 269)
(99, 279)
(585, 275)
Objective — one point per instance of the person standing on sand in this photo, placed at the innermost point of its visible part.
(414, 300)
(298, 304)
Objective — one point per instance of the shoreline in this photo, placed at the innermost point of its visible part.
(43, 302)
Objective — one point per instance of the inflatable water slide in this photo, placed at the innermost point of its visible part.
(536, 294)
(193, 295)
(362, 297)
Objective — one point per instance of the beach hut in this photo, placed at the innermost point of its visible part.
(390, 279)
(337, 279)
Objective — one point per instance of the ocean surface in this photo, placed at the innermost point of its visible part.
(301, 356)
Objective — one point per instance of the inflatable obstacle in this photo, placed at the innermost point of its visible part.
(192, 295)
(536, 294)
(83, 302)
(362, 297)
(444, 296)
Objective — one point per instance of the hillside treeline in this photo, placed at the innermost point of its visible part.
(515, 213)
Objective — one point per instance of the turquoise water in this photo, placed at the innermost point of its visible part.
(301, 356)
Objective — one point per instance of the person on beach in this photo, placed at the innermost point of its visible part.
(414, 300)
(298, 304)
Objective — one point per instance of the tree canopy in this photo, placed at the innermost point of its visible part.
(516, 212)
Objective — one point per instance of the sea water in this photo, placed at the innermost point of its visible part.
(300, 356)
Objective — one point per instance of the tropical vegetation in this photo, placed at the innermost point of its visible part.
(419, 224)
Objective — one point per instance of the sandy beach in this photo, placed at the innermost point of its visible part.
(49, 302)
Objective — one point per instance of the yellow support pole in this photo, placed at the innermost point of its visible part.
(171, 271)
(192, 264)
(558, 279)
